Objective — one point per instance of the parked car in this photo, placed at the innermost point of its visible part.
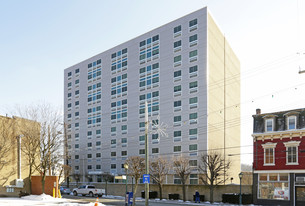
(88, 190)
(65, 190)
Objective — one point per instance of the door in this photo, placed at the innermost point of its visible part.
(299, 195)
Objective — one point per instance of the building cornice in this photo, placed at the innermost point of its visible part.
(279, 134)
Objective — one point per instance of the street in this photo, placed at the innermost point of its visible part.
(108, 201)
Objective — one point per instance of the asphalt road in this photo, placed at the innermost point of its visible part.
(109, 202)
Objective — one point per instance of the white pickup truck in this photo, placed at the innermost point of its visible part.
(88, 190)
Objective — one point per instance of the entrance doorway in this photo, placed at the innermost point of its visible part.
(299, 195)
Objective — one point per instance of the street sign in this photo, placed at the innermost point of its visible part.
(146, 178)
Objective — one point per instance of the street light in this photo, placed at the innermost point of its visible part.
(240, 197)
(126, 168)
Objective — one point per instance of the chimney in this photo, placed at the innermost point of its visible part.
(258, 111)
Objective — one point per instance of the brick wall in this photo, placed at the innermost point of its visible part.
(49, 185)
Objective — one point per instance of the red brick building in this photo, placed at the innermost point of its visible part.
(279, 158)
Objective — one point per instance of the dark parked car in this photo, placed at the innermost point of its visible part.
(65, 190)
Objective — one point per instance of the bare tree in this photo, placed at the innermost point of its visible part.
(159, 168)
(213, 166)
(51, 136)
(183, 170)
(107, 178)
(136, 168)
(31, 145)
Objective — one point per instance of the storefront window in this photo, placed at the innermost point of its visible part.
(273, 186)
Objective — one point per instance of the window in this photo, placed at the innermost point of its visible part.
(76, 114)
(193, 134)
(193, 179)
(292, 152)
(273, 186)
(193, 38)
(193, 53)
(113, 141)
(193, 85)
(155, 150)
(98, 167)
(177, 103)
(98, 143)
(124, 127)
(177, 148)
(193, 163)
(113, 154)
(193, 100)
(193, 23)
(113, 166)
(89, 144)
(141, 124)
(76, 103)
(292, 122)
(69, 94)
(177, 88)
(193, 69)
(141, 138)
(76, 157)
(141, 151)
(89, 156)
(177, 73)
(177, 29)
(177, 44)
(193, 147)
(269, 125)
(124, 153)
(69, 84)
(193, 116)
(177, 58)
(177, 118)
(124, 140)
(98, 132)
(77, 81)
(98, 155)
(269, 149)
(77, 92)
(69, 74)
(76, 146)
(177, 179)
(113, 129)
(155, 38)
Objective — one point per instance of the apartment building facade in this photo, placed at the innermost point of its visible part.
(188, 75)
(278, 160)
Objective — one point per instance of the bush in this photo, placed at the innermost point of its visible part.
(173, 196)
(152, 194)
(233, 198)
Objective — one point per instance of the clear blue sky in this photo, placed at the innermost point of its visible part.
(39, 39)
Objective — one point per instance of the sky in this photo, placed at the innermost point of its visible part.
(39, 39)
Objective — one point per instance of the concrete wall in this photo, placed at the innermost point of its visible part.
(119, 190)
(10, 128)
(223, 97)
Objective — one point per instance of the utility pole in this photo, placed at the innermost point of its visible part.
(146, 154)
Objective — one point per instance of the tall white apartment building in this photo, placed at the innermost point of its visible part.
(190, 78)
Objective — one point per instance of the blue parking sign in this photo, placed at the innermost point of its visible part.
(146, 178)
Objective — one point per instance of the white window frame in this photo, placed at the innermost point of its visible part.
(269, 145)
(292, 144)
(295, 122)
(272, 124)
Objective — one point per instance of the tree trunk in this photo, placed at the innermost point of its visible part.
(160, 191)
(134, 196)
(212, 193)
(43, 180)
(183, 191)
(30, 181)
(106, 188)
